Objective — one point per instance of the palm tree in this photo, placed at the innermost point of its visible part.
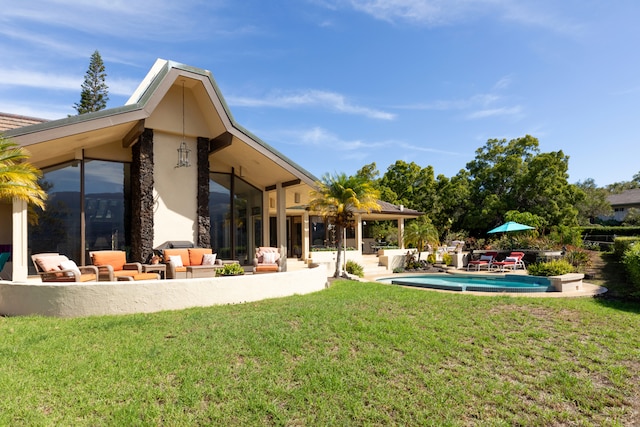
(421, 232)
(19, 179)
(338, 197)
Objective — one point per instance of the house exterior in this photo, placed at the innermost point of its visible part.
(171, 165)
(622, 202)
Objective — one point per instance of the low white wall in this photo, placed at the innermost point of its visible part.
(106, 298)
(328, 259)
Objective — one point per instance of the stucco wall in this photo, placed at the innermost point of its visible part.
(175, 194)
(74, 300)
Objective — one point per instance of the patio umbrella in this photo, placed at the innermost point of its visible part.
(510, 226)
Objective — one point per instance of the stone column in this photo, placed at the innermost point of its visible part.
(204, 220)
(142, 198)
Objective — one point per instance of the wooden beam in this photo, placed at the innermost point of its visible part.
(132, 136)
(218, 143)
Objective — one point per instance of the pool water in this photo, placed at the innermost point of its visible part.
(507, 283)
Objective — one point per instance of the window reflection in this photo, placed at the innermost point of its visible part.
(236, 222)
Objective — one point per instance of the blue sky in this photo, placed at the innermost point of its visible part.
(337, 84)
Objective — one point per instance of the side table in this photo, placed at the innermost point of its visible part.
(161, 269)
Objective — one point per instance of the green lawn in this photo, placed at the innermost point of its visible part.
(354, 354)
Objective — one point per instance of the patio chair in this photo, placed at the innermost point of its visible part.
(485, 261)
(513, 261)
(266, 260)
(4, 257)
(53, 267)
(113, 266)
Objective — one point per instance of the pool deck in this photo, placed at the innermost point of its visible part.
(588, 289)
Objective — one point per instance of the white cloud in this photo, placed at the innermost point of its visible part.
(310, 98)
(492, 112)
(446, 12)
(320, 137)
(54, 81)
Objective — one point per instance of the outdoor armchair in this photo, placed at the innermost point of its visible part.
(53, 267)
(266, 260)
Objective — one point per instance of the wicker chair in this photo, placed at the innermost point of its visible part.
(53, 267)
(113, 265)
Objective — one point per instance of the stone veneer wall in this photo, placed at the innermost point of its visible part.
(204, 221)
(142, 198)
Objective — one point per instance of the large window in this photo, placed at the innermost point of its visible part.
(235, 208)
(106, 189)
(58, 227)
(106, 209)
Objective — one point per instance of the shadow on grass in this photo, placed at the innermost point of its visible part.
(620, 291)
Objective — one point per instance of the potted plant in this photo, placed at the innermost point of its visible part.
(230, 270)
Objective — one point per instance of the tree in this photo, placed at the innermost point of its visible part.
(410, 185)
(594, 204)
(619, 187)
(95, 92)
(369, 172)
(514, 175)
(337, 198)
(19, 179)
(420, 233)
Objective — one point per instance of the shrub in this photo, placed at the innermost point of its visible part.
(631, 262)
(578, 258)
(565, 235)
(447, 259)
(230, 270)
(551, 268)
(354, 268)
(431, 259)
(398, 270)
(621, 244)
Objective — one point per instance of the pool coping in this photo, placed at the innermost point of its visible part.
(588, 289)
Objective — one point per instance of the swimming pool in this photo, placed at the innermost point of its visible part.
(506, 283)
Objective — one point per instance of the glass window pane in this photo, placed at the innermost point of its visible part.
(58, 228)
(220, 214)
(106, 205)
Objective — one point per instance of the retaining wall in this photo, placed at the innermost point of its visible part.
(148, 296)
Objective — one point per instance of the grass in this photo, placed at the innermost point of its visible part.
(354, 354)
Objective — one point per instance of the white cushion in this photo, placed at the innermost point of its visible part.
(486, 258)
(209, 259)
(69, 265)
(511, 259)
(269, 257)
(176, 260)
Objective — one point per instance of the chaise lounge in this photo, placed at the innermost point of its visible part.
(485, 261)
(513, 261)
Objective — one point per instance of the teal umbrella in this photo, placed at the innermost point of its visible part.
(510, 226)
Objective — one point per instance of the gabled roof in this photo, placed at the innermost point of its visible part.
(12, 121)
(122, 120)
(628, 197)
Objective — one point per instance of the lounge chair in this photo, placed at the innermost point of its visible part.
(513, 261)
(113, 265)
(485, 261)
(53, 267)
(266, 260)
